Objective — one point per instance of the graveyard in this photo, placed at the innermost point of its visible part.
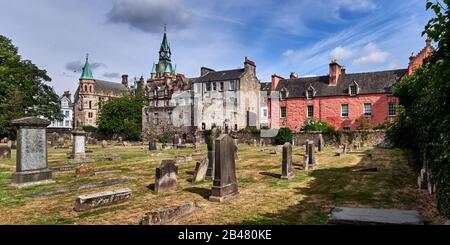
(264, 197)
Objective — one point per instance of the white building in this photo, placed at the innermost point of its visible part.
(67, 112)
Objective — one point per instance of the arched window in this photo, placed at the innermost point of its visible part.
(90, 104)
(90, 88)
(85, 88)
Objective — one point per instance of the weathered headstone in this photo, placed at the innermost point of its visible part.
(321, 143)
(166, 176)
(119, 140)
(104, 144)
(101, 199)
(371, 216)
(211, 155)
(422, 179)
(31, 161)
(344, 149)
(125, 144)
(311, 154)
(5, 152)
(176, 140)
(236, 149)
(286, 166)
(165, 216)
(152, 145)
(200, 170)
(225, 183)
(255, 143)
(79, 147)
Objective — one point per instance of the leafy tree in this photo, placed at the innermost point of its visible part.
(423, 125)
(122, 116)
(23, 89)
(312, 125)
(284, 135)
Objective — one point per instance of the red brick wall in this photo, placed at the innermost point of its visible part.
(329, 109)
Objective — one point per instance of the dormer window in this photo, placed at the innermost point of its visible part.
(283, 94)
(353, 89)
(310, 92)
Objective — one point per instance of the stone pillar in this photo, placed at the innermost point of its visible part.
(31, 163)
(311, 157)
(211, 156)
(321, 145)
(286, 166)
(78, 146)
(225, 183)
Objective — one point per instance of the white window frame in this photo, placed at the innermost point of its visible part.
(307, 111)
(281, 112)
(342, 110)
(365, 111)
(389, 109)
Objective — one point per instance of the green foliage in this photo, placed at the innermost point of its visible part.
(364, 123)
(251, 130)
(423, 125)
(350, 136)
(122, 116)
(284, 135)
(90, 129)
(164, 139)
(23, 89)
(312, 125)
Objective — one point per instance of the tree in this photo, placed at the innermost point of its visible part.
(122, 116)
(284, 135)
(423, 126)
(23, 89)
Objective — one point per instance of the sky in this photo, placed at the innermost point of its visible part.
(124, 36)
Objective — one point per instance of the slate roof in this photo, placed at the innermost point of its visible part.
(266, 87)
(221, 75)
(109, 87)
(369, 83)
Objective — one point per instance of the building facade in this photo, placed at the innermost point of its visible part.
(341, 99)
(264, 104)
(65, 102)
(92, 93)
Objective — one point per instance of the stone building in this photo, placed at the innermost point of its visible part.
(92, 93)
(264, 104)
(228, 99)
(339, 98)
(65, 102)
(169, 99)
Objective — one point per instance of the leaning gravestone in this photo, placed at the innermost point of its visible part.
(321, 143)
(225, 183)
(200, 170)
(211, 156)
(101, 199)
(5, 152)
(286, 166)
(166, 176)
(31, 161)
(372, 216)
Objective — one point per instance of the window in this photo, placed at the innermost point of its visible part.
(265, 112)
(203, 126)
(85, 88)
(208, 86)
(310, 93)
(283, 112)
(392, 107)
(310, 111)
(90, 115)
(90, 89)
(170, 118)
(347, 128)
(344, 110)
(156, 119)
(353, 90)
(66, 114)
(214, 86)
(283, 94)
(221, 86)
(90, 104)
(367, 109)
(67, 123)
(232, 86)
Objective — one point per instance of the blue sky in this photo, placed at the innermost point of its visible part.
(123, 36)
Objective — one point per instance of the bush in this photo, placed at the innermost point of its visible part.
(250, 130)
(90, 129)
(164, 139)
(284, 135)
(364, 123)
(312, 125)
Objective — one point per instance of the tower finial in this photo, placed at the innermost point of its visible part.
(165, 27)
(87, 57)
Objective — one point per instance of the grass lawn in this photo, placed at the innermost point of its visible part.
(264, 198)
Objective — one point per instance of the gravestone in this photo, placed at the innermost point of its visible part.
(31, 161)
(372, 216)
(344, 149)
(5, 152)
(79, 145)
(165, 216)
(176, 140)
(211, 155)
(101, 199)
(286, 166)
(255, 143)
(166, 176)
(152, 145)
(321, 145)
(311, 154)
(306, 155)
(225, 183)
(200, 170)
(236, 149)
(119, 140)
(104, 144)
(422, 179)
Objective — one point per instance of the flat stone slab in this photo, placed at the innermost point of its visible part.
(108, 172)
(373, 216)
(164, 216)
(105, 183)
(101, 199)
(63, 169)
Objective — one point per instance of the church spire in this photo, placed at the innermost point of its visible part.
(164, 51)
(87, 72)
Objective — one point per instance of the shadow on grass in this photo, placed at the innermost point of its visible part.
(203, 192)
(336, 186)
(274, 175)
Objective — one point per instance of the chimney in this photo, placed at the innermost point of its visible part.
(343, 71)
(250, 65)
(67, 94)
(293, 75)
(275, 80)
(141, 85)
(335, 72)
(205, 70)
(125, 80)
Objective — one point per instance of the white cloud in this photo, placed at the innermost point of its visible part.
(358, 5)
(341, 53)
(371, 55)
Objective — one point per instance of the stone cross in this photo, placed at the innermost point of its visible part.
(286, 166)
(225, 183)
(321, 143)
(211, 156)
(166, 176)
(31, 161)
